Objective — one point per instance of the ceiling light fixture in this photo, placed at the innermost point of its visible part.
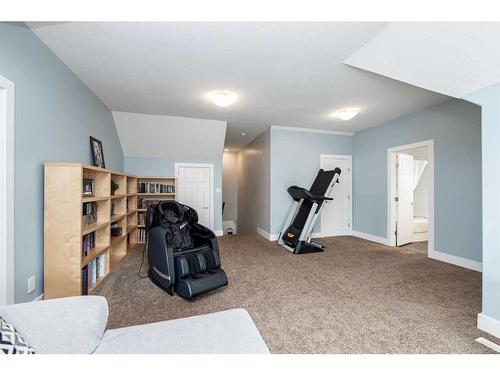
(346, 114)
(222, 98)
(226, 149)
(243, 134)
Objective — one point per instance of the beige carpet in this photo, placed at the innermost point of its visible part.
(357, 297)
(420, 247)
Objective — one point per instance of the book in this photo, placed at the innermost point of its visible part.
(85, 282)
(88, 243)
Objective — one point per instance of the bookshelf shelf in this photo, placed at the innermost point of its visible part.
(117, 217)
(93, 227)
(96, 251)
(115, 239)
(94, 199)
(65, 236)
(98, 281)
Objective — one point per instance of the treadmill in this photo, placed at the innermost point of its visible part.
(297, 230)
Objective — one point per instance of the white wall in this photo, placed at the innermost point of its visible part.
(452, 58)
(170, 137)
(230, 185)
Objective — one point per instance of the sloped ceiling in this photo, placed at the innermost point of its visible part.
(286, 74)
(450, 58)
(170, 137)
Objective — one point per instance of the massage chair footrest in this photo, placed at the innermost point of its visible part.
(190, 287)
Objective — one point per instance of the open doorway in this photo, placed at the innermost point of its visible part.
(411, 196)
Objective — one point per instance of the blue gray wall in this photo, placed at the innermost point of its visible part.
(295, 160)
(144, 166)
(455, 127)
(55, 113)
(489, 100)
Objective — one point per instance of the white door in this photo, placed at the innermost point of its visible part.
(404, 195)
(194, 189)
(336, 214)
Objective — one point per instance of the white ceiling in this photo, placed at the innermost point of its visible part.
(152, 135)
(285, 74)
(453, 58)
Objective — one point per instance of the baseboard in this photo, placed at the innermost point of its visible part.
(219, 232)
(39, 298)
(267, 236)
(457, 261)
(370, 237)
(489, 325)
(323, 235)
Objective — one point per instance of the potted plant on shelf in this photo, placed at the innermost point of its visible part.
(114, 187)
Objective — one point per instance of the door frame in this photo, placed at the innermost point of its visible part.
(391, 190)
(211, 186)
(322, 157)
(7, 95)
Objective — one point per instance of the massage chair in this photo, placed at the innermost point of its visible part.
(183, 255)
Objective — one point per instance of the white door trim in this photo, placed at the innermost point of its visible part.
(7, 94)
(212, 185)
(391, 190)
(322, 157)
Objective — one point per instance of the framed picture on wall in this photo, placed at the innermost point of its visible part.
(97, 152)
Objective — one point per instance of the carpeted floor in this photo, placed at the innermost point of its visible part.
(420, 247)
(357, 297)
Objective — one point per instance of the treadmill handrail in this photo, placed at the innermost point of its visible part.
(298, 193)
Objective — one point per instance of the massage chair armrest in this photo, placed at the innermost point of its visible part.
(203, 235)
(161, 255)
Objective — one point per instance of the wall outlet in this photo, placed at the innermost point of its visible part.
(31, 284)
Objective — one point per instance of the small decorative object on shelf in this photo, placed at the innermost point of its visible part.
(97, 152)
(114, 187)
(88, 187)
(89, 212)
(116, 231)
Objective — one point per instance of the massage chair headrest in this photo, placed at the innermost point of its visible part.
(169, 210)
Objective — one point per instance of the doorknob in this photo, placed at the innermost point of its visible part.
(205, 207)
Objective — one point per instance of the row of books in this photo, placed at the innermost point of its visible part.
(88, 243)
(89, 213)
(152, 188)
(141, 235)
(145, 203)
(93, 271)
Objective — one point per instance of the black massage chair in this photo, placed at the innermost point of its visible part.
(183, 255)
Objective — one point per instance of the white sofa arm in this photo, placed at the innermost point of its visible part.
(63, 325)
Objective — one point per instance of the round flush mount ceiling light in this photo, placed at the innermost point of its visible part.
(346, 114)
(222, 98)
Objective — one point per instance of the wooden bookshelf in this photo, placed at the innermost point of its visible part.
(64, 229)
(145, 197)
